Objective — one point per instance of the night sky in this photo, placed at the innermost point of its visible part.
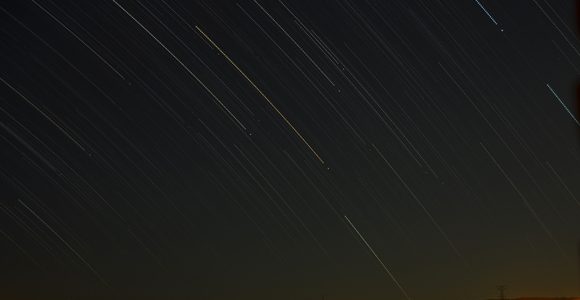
(252, 149)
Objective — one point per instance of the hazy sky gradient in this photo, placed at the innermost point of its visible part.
(215, 149)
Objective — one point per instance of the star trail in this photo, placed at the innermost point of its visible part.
(326, 149)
